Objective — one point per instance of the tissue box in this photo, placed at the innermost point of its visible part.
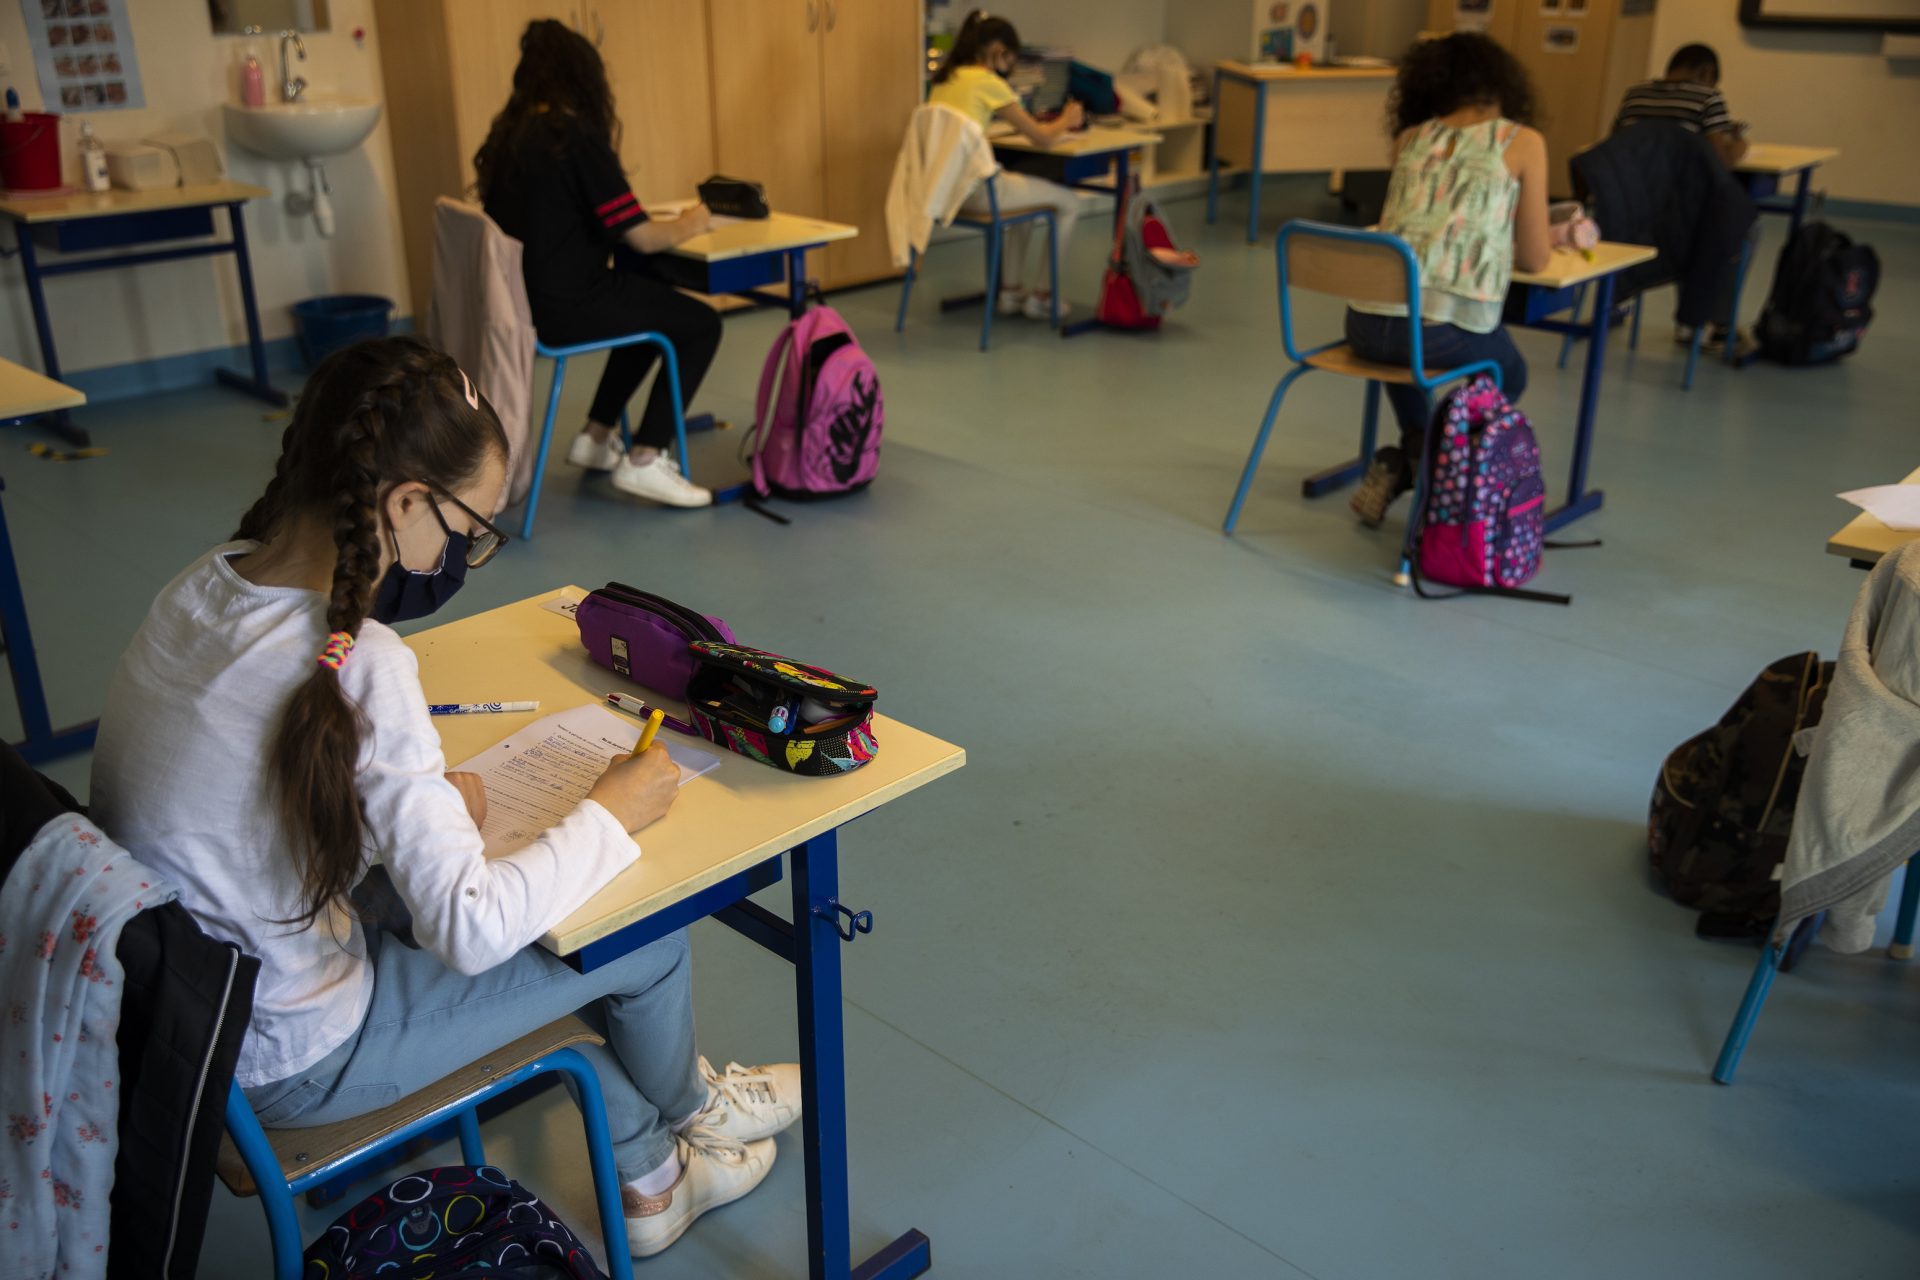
(195, 156)
(135, 166)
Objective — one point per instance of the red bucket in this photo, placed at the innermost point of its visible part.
(30, 152)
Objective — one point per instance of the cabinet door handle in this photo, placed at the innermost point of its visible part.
(813, 15)
(833, 15)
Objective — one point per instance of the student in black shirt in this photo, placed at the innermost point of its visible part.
(549, 175)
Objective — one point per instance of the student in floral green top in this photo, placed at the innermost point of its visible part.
(1469, 195)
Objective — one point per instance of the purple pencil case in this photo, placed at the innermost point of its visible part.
(645, 637)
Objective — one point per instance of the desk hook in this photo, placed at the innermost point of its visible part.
(857, 921)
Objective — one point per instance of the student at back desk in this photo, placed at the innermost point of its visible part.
(972, 80)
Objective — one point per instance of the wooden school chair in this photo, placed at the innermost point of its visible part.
(1359, 266)
(993, 225)
(1773, 960)
(278, 1164)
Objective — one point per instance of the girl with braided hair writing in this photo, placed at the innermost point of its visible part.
(265, 738)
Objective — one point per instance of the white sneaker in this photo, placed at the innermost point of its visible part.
(1013, 302)
(661, 481)
(602, 455)
(714, 1171)
(1037, 307)
(749, 1103)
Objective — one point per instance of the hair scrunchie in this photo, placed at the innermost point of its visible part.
(339, 645)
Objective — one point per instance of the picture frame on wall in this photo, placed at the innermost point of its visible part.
(1900, 17)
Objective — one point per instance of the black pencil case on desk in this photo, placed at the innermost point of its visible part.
(734, 197)
(799, 718)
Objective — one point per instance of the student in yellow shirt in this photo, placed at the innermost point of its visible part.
(972, 81)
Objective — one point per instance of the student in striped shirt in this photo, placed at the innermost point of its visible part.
(1689, 96)
(549, 174)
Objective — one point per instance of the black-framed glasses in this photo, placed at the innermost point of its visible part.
(484, 543)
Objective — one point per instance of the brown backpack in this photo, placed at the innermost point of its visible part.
(1723, 804)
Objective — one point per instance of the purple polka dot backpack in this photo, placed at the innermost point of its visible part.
(1482, 525)
(448, 1223)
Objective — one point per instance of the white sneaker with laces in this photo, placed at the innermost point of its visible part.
(1038, 307)
(1013, 302)
(713, 1171)
(661, 481)
(594, 455)
(749, 1103)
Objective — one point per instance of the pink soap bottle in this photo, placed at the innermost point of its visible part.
(253, 82)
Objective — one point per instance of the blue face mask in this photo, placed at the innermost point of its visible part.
(404, 595)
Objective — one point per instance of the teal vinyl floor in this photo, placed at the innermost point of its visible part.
(1281, 924)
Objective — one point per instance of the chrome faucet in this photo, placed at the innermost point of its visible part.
(291, 86)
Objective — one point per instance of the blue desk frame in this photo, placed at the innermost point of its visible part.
(1259, 87)
(810, 942)
(744, 276)
(1537, 306)
(43, 741)
(117, 231)
(1080, 171)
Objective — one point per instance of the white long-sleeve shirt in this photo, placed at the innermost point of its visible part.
(180, 778)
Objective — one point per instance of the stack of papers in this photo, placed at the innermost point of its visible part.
(1897, 506)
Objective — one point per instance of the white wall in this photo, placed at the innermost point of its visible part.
(1101, 33)
(112, 317)
(1814, 88)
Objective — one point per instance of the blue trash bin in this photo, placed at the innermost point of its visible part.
(325, 325)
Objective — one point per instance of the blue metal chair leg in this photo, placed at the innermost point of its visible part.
(1733, 304)
(1053, 271)
(1321, 483)
(906, 288)
(626, 432)
(992, 302)
(546, 442)
(472, 1150)
(1566, 342)
(606, 1179)
(1260, 445)
(1749, 1013)
(1633, 334)
(1370, 423)
(1902, 947)
(1693, 357)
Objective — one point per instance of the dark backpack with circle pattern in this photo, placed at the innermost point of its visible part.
(451, 1223)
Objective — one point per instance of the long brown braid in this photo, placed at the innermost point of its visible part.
(375, 415)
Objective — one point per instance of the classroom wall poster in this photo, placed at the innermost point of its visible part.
(1472, 15)
(1561, 40)
(83, 54)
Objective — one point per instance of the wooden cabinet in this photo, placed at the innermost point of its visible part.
(808, 97)
(811, 98)
(1581, 61)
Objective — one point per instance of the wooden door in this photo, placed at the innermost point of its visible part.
(766, 98)
(657, 60)
(872, 59)
(1565, 52)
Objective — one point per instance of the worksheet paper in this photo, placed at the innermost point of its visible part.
(537, 776)
(1896, 506)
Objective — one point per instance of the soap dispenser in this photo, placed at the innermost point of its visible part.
(253, 81)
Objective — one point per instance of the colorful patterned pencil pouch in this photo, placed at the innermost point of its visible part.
(795, 717)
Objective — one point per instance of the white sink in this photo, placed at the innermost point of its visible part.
(303, 130)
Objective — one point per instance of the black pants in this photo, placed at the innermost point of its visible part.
(630, 300)
(28, 802)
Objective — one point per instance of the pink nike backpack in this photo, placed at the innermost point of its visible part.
(818, 434)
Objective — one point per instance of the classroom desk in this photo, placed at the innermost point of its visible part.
(1767, 163)
(1084, 158)
(25, 394)
(1558, 289)
(1864, 539)
(721, 842)
(740, 256)
(1276, 118)
(82, 222)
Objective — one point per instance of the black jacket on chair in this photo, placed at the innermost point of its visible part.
(1665, 186)
(185, 1001)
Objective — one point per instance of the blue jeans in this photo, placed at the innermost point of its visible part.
(1385, 339)
(426, 1021)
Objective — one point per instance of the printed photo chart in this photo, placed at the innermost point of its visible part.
(83, 54)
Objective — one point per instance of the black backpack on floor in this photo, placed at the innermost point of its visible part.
(1723, 805)
(1819, 304)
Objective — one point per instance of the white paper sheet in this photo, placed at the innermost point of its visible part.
(536, 777)
(1897, 506)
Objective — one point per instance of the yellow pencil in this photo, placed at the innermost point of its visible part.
(654, 718)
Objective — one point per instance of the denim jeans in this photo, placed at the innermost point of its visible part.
(426, 1021)
(1385, 339)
